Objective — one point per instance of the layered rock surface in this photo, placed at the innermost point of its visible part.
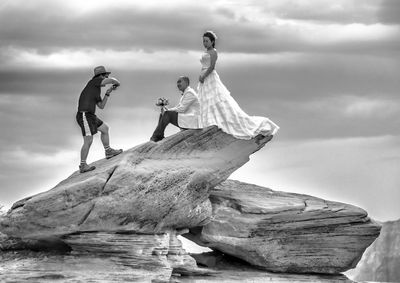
(120, 220)
(126, 213)
(381, 260)
(285, 232)
(151, 188)
(232, 270)
(102, 257)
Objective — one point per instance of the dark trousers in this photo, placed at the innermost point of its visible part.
(163, 121)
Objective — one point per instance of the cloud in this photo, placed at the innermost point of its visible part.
(389, 12)
(338, 116)
(64, 59)
(341, 11)
(371, 108)
(34, 123)
(307, 77)
(277, 73)
(178, 26)
(25, 172)
(58, 26)
(228, 13)
(353, 107)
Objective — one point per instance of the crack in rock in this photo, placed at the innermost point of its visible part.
(86, 215)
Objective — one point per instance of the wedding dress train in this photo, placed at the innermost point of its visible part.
(217, 107)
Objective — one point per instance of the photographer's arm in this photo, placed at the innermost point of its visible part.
(103, 102)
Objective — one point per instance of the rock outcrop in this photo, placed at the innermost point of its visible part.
(381, 260)
(233, 270)
(102, 257)
(151, 188)
(285, 232)
(127, 213)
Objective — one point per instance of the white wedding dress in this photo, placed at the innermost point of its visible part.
(217, 107)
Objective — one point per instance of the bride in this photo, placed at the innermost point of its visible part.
(217, 106)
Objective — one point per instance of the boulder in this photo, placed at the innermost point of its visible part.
(120, 222)
(285, 232)
(126, 215)
(151, 188)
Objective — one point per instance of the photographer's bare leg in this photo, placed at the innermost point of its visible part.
(105, 139)
(87, 142)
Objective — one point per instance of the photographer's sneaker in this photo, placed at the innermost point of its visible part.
(156, 139)
(110, 152)
(86, 168)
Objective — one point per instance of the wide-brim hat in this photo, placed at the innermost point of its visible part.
(100, 70)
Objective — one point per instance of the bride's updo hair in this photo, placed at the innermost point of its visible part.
(211, 35)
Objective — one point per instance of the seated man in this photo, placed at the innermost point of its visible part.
(185, 115)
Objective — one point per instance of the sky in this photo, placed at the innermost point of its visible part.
(327, 72)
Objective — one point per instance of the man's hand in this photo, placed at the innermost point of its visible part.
(109, 90)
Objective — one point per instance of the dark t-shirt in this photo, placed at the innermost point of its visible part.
(90, 95)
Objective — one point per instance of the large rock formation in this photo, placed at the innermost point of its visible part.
(151, 188)
(233, 270)
(128, 211)
(381, 260)
(285, 232)
(102, 257)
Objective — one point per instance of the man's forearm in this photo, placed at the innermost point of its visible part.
(103, 102)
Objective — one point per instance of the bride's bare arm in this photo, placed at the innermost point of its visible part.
(214, 56)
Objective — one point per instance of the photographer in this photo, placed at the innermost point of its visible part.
(185, 115)
(87, 119)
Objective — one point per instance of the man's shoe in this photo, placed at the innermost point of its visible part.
(112, 152)
(156, 139)
(86, 168)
